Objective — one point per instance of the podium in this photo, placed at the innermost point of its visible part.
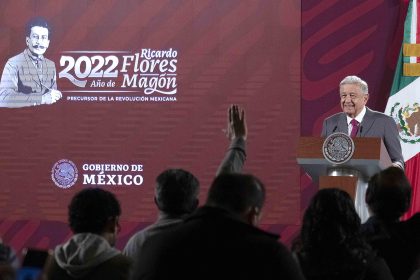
(370, 156)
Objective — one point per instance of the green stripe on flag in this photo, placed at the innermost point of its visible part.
(400, 81)
(407, 24)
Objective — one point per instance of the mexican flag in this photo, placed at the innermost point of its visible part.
(404, 101)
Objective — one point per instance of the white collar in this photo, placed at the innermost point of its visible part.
(359, 117)
(34, 57)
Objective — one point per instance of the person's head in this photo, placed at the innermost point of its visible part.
(97, 211)
(37, 36)
(242, 195)
(330, 220)
(353, 95)
(176, 192)
(9, 262)
(388, 194)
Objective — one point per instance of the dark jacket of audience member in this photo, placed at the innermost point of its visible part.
(330, 245)
(388, 197)
(89, 254)
(9, 262)
(220, 240)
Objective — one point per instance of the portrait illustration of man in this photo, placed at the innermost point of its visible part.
(29, 78)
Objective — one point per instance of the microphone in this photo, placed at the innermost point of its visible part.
(335, 128)
(360, 130)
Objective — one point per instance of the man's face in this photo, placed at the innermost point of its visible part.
(352, 99)
(38, 41)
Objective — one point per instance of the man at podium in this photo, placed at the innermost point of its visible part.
(357, 120)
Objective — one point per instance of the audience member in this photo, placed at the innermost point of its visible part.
(9, 262)
(176, 191)
(330, 245)
(398, 242)
(89, 254)
(415, 275)
(176, 196)
(220, 240)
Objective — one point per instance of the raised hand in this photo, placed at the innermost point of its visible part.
(236, 126)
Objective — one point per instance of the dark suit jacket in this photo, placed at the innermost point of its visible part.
(374, 124)
(397, 242)
(211, 244)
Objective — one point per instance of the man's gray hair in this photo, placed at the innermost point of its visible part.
(355, 80)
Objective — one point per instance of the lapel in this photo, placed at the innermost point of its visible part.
(367, 123)
(342, 125)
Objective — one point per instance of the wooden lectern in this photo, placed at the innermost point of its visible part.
(370, 156)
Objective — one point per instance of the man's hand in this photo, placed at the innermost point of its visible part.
(55, 95)
(51, 97)
(398, 164)
(236, 126)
